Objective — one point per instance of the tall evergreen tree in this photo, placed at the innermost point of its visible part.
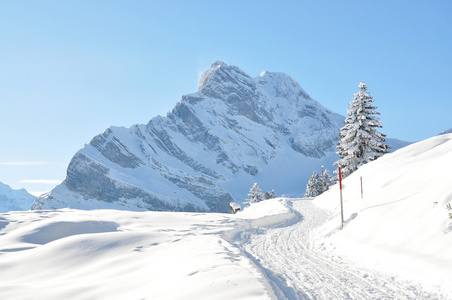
(360, 142)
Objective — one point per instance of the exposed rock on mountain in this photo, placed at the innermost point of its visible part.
(208, 151)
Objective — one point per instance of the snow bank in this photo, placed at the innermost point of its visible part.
(267, 213)
(401, 224)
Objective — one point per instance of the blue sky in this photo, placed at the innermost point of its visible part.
(70, 69)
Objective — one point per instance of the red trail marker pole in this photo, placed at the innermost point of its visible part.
(342, 206)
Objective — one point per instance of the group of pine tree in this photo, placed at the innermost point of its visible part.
(360, 142)
(256, 195)
(318, 184)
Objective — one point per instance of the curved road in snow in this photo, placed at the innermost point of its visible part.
(299, 269)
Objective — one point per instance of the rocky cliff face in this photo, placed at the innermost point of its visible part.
(208, 151)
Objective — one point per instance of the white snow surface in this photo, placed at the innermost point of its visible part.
(110, 254)
(11, 199)
(396, 244)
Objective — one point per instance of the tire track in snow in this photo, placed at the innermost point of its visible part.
(302, 270)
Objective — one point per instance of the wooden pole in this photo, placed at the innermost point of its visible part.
(342, 206)
(361, 187)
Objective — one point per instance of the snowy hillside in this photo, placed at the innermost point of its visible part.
(236, 130)
(401, 224)
(11, 200)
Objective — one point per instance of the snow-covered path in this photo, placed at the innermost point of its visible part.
(299, 267)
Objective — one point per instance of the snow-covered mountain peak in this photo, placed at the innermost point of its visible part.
(276, 78)
(223, 75)
(218, 64)
(272, 98)
(282, 86)
(208, 151)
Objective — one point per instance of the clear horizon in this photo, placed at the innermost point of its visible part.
(71, 69)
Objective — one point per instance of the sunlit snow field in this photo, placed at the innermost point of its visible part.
(108, 254)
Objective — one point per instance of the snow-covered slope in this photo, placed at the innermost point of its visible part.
(212, 147)
(401, 224)
(11, 200)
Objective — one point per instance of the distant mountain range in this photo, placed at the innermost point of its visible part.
(209, 150)
(446, 132)
(14, 200)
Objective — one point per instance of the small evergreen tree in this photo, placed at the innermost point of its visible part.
(269, 195)
(449, 208)
(255, 195)
(314, 186)
(273, 194)
(360, 141)
(326, 181)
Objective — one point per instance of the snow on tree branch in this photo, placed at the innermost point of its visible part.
(360, 142)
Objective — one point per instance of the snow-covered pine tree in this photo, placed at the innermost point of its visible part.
(314, 186)
(273, 194)
(360, 142)
(255, 195)
(326, 181)
(270, 195)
